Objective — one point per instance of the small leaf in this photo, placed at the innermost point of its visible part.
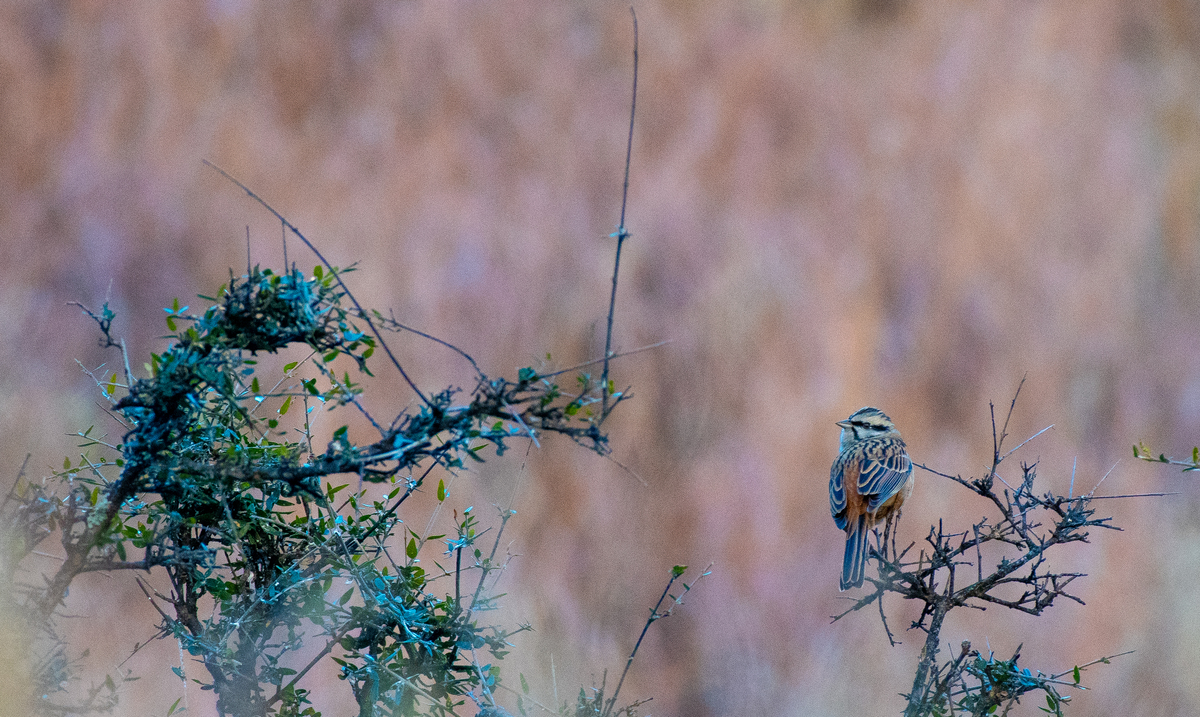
(678, 570)
(1075, 674)
(287, 403)
(345, 598)
(411, 550)
(287, 368)
(67, 463)
(524, 684)
(441, 494)
(254, 386)
(1135, 451)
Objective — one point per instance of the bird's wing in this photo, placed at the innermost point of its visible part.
(885, 468)
(837, 492)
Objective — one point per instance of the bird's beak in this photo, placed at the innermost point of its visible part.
(842, 424)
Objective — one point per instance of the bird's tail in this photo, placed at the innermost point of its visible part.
(855, 562)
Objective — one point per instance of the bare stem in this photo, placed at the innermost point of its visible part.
(337, 276)
(622, 232)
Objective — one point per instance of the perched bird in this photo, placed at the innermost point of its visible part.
(869, 481)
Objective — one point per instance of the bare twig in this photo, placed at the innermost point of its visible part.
(655, 615)
(622, 232)
(336, 275)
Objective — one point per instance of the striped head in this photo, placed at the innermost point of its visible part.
(866, 423)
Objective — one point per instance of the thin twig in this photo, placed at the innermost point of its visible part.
(623, 354)
(1027, 440)
(1132, 495)
(622, 232)
(1101, 481)
(336, 275)
(676, 573)
(435, 339)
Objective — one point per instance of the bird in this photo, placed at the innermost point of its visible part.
(869, 481)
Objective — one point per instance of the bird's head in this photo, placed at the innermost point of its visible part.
(866, 423)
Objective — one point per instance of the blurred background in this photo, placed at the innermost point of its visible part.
(834, 203)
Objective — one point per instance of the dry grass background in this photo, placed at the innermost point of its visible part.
(834, 204)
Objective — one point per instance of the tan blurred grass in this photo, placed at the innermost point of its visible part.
(907, 204)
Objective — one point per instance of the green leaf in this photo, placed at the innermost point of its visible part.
(411, 550)
(287, 368)
(287, 403)
(1075, 674)
(345, 598)
(318, 271)
(1196, 454)
(67, 463)
(524, 684)
(678, 570)
(1135, 451)
(254, 386)
(441, 494)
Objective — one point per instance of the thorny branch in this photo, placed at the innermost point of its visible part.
(948, 572)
